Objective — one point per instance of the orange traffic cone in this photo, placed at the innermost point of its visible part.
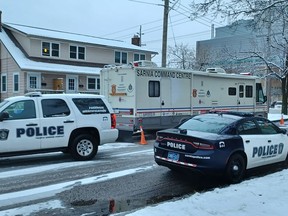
(143, 140)
(282, 121)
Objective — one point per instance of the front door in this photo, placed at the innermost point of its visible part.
(72, 84)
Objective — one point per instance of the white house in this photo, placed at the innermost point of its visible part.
(38, 59)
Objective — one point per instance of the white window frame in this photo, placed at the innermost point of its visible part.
(6, 83)
(14, 82)
(50, 49)
(38, 80)
(75, 78)
(139, 56)
(97, 83)
(77, 52)
(121, 57)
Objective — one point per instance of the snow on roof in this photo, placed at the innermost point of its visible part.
(48, 33)
(26, 64)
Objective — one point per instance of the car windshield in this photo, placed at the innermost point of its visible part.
(207, 123)
(3, 103)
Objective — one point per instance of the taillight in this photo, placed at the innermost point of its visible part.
(203, 145)
(113, 120)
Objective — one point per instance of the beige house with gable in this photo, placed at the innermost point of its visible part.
(37, 59)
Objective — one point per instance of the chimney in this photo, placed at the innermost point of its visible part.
(0, 21)
(136, 40)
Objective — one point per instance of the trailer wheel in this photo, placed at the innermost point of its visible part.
(235, 169)
(83, 147)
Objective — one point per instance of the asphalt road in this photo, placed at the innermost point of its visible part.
(121, 178)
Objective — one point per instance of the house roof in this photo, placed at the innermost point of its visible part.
(53, 34)
(26, 64)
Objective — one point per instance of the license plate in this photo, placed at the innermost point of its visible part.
(173, 156)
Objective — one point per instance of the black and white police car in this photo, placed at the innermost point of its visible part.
(73, 123)
(221, 143)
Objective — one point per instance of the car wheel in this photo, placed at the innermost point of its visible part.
(286, 162)
(84, 147)
(235, 169)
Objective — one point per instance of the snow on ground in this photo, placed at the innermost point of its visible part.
(265, 196)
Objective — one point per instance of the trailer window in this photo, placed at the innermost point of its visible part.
(248, 91)
(259, 94)
(232, 91)
(241, 91)
(154, 89)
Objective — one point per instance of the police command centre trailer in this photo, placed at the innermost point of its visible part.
(143, 94)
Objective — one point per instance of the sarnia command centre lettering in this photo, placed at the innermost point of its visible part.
(38, 132)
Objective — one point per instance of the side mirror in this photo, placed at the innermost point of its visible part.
(4, 116)
(284, 131)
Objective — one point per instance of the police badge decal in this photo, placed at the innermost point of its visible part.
(4, 134)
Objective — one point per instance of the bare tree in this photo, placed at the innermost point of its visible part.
(270, 19)
(181, 56)
(235, 9)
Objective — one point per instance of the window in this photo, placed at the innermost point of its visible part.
(90, 106)
(121, 57)
(241, 91)
(54, 108)
(248, 127)
(267, 127)
(232, 91)
(81, 53)
(4, 83)
(15, 82)
(259, 93)
(124, 58)
(138, 57)
(50, 49)
(45, 49)
(77, 52)
(73, 52)
(248, 91)
(154, 89)
(55, 50)
(21, 110)
(93, 83)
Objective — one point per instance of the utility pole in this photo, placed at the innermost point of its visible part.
(140, 35)
(165, 33)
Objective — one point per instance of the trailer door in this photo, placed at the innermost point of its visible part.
(165, 101)
(240, 96)
(245, 100)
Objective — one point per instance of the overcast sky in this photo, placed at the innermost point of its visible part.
(114, 19)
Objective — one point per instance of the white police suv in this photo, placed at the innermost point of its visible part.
(219, 143)
(73, 123)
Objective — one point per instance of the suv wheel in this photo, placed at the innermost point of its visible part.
(84, 147)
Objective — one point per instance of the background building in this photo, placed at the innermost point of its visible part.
(242, 47)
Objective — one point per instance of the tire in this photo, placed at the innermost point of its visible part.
(83, 147)
(286, 162)
(235, 169)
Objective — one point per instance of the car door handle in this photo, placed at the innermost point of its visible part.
(269, 141)
(69, 121)
(31, 124)
(247, 141)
